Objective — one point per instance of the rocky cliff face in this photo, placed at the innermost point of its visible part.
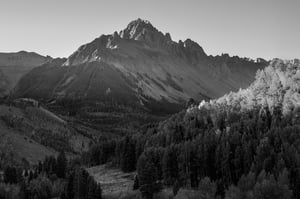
(140, 65)
(14, 65)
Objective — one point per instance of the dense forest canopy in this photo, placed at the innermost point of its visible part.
(244, 145)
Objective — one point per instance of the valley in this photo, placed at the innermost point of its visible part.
(137, 115)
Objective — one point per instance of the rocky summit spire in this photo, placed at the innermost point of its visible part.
(137, 28)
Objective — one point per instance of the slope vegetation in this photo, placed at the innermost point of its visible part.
(29, 133)
(276, 86)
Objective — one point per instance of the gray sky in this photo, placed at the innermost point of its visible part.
(248, 28)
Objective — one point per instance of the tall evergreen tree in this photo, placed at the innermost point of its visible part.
(10, 175)
(92, 186)
(70, 186)
(148, 178)
(98, 192)
(170, 165)
(61, 165)
(128, 160)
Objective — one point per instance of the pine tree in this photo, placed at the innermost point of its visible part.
(80, 184)
(128, 160)
(61, 165)
(70, 186)
(277, 115)
(194, 166)
(98, 192)
(184, 165)
(268, 187)
(225, 167)
(170, 166)
(26, 173)
(148, 178)
(238, 163)
(30, 177)
(136, 184)
(40, 167)
(10, 175)
(207, 188)
(91, 193)
(23, 193)
(176, 187)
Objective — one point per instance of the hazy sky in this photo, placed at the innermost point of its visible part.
(248, 28)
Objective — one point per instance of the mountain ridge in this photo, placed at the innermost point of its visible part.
(144, 66)
(14, 65)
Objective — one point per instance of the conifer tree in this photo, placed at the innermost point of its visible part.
(91, 193)
(61, 165)
(136, 184)
(128, 160)
(70, 186)
(170, 166)
(98, 192)
(207, 188)
(148, 178)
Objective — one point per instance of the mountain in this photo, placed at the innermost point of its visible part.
(140, 66)
(14, 65)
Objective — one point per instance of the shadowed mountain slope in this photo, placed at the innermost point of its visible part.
(140, 66)
(14, 65)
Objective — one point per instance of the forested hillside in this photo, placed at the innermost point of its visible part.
(278, 85)
(243, 145)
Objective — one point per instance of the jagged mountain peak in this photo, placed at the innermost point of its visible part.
(139, 34)
(193, 47)
(136, 28)
(143, 66)
(140, 22)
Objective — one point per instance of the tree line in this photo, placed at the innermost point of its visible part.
(236, 154)
(54, 177)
